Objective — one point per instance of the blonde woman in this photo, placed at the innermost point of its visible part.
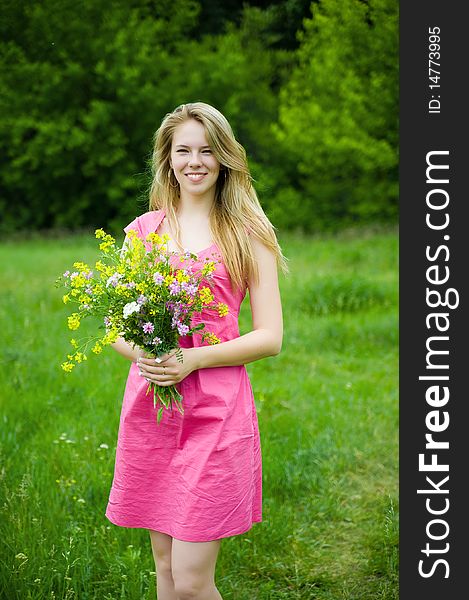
(197, 477)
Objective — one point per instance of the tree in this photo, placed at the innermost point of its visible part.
(82, 90)
(338, 121)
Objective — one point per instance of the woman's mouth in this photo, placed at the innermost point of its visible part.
(195, 177)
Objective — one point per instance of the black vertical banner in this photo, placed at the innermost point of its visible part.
(434, 252)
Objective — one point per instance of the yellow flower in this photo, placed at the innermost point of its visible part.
(154, 238)
(99, 233)
(168, 280)
(206, 295)
(81, 266)
(66, 298)
(106, 244)
(212, 339)
(181, 276)
(74, 321)
(67, 366)
(97, 348)
(80, 357)
(78, 281)
(208, 267)
(110, 337)
(222, 309)
(74, 343)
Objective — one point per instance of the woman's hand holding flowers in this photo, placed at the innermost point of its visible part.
(167, 369)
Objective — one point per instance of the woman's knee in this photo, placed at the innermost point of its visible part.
(191, 586)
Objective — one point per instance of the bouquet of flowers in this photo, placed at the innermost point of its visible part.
(143, 297)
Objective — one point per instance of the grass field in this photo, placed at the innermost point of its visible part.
(328, 415)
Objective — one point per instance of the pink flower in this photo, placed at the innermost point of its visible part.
(174, 288)
(182, 329)
(148, 327)
(189, 288)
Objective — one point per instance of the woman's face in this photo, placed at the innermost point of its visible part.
(194, 165)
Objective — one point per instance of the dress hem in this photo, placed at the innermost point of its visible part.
(119, 523)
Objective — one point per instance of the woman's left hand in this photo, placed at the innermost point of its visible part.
(167, 369)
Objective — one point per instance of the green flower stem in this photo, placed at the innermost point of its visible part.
(168, 396)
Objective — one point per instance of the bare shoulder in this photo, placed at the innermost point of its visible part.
(261, 251)
(266, 263)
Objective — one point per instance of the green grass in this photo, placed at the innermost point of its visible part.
(328, 415)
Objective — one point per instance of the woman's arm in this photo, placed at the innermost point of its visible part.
(127, 350)
(264, 340)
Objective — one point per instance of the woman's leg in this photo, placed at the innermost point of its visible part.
(193, 568)
(161, 545)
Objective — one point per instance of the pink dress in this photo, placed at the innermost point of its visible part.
(198, 476)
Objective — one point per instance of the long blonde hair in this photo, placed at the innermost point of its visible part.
(236, 214)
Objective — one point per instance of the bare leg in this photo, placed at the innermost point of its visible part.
(161, 544)
(193, 568)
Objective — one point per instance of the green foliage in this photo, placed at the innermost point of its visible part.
(83, 88)
(338, 114)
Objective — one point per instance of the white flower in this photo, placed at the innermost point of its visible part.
(130, 308)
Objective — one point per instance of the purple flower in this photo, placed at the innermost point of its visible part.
(175, 308)
(89, 289)
(174, 288)
(130, 285)
(158, 278)
(74, 274)
(141, 299)
(156, 340)
(114, 279)
(88, 275)
(107, 321)
(148, 327)
(182, 329)
(66, 274)
(189, 288)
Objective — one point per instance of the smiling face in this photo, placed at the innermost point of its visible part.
(194, 165)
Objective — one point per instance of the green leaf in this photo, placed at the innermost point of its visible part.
(159, 415)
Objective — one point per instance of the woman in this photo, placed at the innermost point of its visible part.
(196, 477)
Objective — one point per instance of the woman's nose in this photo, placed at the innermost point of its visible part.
(194, 159)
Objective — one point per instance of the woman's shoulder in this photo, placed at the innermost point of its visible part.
(146, 223)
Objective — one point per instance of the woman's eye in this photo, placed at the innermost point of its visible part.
(181, 150)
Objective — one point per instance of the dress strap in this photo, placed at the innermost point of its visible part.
(146, 223)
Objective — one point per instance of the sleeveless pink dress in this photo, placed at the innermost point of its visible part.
(196, 477)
